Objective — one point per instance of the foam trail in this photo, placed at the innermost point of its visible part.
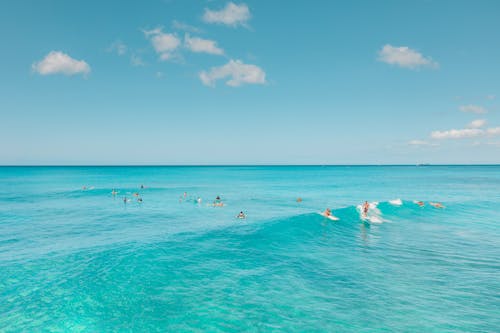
(396, 202)
(374, 214)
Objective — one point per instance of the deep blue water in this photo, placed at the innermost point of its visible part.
(75, 260)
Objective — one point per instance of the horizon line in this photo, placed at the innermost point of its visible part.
(244, 165)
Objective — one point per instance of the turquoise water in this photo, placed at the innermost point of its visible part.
(74, 260)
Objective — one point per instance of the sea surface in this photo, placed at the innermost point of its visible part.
(76, 258)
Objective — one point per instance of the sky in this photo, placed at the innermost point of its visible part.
(249, 82)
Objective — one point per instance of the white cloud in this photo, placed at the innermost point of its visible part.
(493, 131)
(473, 109)
(119, 47)
(57, 62)
(135, 60)
(421, 143)
(237, 72)
(490, 97)
(154, 31)
(457, 133)
(185, 27)
(405, 57)
(200, 45)
(465, 133)
(165, 44)
(231, 15)
(478, 123)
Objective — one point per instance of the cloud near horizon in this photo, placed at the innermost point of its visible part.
(473, 109)
(57, 62)
(405, 57)
(237, 72)
(200, 45)
(232, 15)
(478, 123)
(421, 143)
(465, 133)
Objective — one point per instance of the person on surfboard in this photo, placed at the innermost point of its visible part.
(366, 207)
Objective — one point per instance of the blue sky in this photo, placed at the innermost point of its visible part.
(252, 82)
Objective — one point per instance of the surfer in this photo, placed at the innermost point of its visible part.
(366, 207)
(241, 215)
(327, 212)
(436, 204)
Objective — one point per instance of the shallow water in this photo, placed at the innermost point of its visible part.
(83, 261)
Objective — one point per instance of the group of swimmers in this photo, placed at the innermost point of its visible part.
(433, 204)
(125, 199)
(365, 208)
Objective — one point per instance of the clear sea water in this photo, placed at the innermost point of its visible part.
(74, 260)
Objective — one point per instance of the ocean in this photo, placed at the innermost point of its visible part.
(76, 258)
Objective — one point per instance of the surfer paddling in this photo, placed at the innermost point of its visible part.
(436, 204)
(328, 213)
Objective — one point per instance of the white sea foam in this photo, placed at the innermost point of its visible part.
(374, 214)
(396, 202)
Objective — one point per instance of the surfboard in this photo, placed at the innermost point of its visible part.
(331, 217)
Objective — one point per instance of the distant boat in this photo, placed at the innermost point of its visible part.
(423, 164)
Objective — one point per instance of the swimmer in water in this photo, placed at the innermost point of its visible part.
(241, 215)
(299, 199)
(420, 203)
(436, 204)
(139, 200)
(198, 200)
(125, 200)
(142, 186)
(136, 194)
(114, 192)
(84, 188)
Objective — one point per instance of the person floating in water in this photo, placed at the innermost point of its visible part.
(218, 202)
(420, 203)
(436, 204)
(142, 186)
(299, 199)
(139, 200)
(114, 192)
(136, 194)
(125, 200)
(198, 200)
(241, 215)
